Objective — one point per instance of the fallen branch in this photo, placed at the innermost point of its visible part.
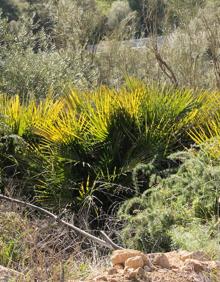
(108, 243)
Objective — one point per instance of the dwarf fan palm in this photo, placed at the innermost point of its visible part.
(103, 135)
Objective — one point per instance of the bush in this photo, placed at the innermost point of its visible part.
(196, 236)
(174, 202)
(118, 12)
(43, 62)
(43, 72)
(190, 51)
(91, 142)
(102, 136)
(13, 9)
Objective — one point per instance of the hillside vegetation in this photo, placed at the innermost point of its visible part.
(120, 139)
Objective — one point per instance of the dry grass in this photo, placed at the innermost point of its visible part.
(44, 251)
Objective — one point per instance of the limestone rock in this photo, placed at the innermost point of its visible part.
(213, 265)
(134, 262)
(101, 278)
(137, 274)
(133, 274)
(119, 266)
(194, 265)
(120, 256)
(147, 268)
(129, 265)
(113, 280)
(161, 260)
(199, 255)
(112, 271)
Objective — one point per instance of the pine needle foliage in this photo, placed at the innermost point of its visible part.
(186, 197)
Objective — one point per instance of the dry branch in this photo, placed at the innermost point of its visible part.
(108, 243)
(166, 69)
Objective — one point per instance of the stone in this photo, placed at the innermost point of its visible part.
(137, 275)
(113, 280)
(120, 256)
(198, 255)
(194, 265)
(161, 260)
(147, 268)
(118, 266)
(217, 265)
(127, 269)
(101, 278)
(134, 262)
(112, 271)
(147, 260)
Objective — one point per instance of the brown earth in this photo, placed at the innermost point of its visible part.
(131, 265)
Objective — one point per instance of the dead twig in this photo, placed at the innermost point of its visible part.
(166, 69)
(108, 243)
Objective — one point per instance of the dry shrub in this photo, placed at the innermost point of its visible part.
(191, 52)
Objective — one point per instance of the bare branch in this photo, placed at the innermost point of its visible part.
(108, 243)
(166, 69)
(108, 240)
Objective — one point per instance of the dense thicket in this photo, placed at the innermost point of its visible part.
(89, 115)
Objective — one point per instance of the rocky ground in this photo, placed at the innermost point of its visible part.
(131, 265)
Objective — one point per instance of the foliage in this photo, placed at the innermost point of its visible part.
(180, 12)
(102, 136)
(20, 159)
(150, 15)
(88, 143)
(52, 46)
(35, 49)
(207, 134)
(41, 250)
(191, 51)
(12, 9)
(196, 236)
(65, 142)
(118, 12)
(21, 117)
(12, 247)
(43, 62)
(174, 202)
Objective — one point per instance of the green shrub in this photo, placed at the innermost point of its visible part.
(84, 149)
(47, 60)
(103, 135)
(196, 236)
(176, 200)
(118, 12)
(13, 9)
